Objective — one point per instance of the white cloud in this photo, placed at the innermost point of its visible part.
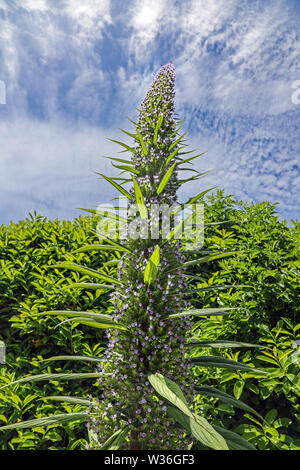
(235, 62)
(40, 5)
(50, 167)
(146, 18)
(90, 15)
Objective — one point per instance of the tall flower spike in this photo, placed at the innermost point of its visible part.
(152, 343)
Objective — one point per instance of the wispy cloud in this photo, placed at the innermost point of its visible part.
(50, 167)
(74, 70)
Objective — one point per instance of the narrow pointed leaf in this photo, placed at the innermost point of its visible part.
(87, 285)
(152, 267)
(133, 136)
(86, 271)
(210, 288)
(223, 344)
(176, 142)
(117, 186)
(201, 312)
(199, 196)
(114, 243)
(92, 323)
(126, 168)
(98, 320)
(224, 397)
(165, 179)
(157, 127)
(67, 399)
(144, 148)
(74, 358)
(140, 200)
(63, 376)
(222, 362)
(234, 441)
(187, 160)
(128, 162)
(116, 440)
(193, 178)
(104, 213)
(173, 154)
(206, 259)
(47, 421)
(127, 147)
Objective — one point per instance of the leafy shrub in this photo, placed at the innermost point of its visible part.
(275, 396)
(28, 284)
(266, 263)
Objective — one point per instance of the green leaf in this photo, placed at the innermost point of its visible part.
(115, 243)
(193, 178)
(211, 288)
(87, 285)
(140, 200)
(144, 148)
(74, 358)
(47, 421)
(73, 313)
(152, 267)
(219, 223)
(99, 320)
(117, 186)
(128, 162)
(165, 179)
(86, 271)
(170, 391)
(222, 362)
(176, 141)
(202, 312)
(234, 441)
(116, 440)
(104, 213)
(157, 127)
(63, 376)
(205, 259)
(187, 160)
(93, 324)
(238, 388)
(127, 147)
(67, 399)
(271, 416)
(173, 155)
(128, 168)
(133, 136)
(199, 196)
(199, 428)
(224, 397)
(223, 344)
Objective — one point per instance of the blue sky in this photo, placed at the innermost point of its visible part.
(74, 71)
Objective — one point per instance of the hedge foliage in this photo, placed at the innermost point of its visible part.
(265, 271)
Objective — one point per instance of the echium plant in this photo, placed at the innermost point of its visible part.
(150, 290)
(145, 384)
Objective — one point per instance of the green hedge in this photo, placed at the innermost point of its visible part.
(266, 262)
